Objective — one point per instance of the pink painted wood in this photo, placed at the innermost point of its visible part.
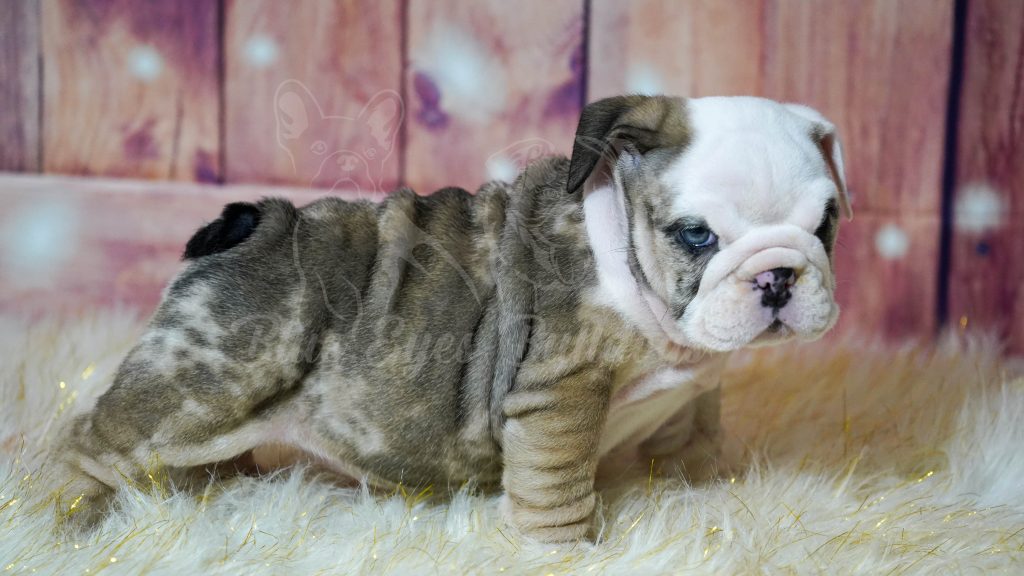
(690, 48)
(19, 86)
(73, 244)
(131, 89)
(312, 93)
(880, 71)
(986, 284)
(490, 86)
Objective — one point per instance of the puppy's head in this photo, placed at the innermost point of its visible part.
(730, 208)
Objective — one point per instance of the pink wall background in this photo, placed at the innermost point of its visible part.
(200, 103)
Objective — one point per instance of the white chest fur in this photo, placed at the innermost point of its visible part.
(642, 403)
(648, 393)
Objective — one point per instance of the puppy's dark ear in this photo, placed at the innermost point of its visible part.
(236, 223)
(640, 122)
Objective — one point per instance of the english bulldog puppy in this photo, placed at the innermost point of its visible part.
(514, 336)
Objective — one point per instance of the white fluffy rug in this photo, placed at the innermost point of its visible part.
(846, 457)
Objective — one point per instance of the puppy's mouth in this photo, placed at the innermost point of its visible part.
(734, 317)
(775, 332)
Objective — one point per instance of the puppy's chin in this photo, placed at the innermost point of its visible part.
(730, 316)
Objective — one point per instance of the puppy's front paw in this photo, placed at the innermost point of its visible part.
(698, 458)
(567, 523)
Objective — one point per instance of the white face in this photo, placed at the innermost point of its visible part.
(734, 234)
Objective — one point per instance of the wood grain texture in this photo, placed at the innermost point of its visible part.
(131, 88)
(19, 85)
(490, 86)
(312, 93)
(693, 48)
(878, 69)
(886, 274)
(73, 244)
(986, 283)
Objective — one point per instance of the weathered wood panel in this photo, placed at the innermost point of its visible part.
(312, 93)
(986, 283)
(878, 69)
(80, 243)
(692, 48)
(19, 85)
(131, 88)
(490, 85)
(886, 274)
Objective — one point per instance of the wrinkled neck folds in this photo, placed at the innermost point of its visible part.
(618, 288)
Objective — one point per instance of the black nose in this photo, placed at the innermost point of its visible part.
(775, 290)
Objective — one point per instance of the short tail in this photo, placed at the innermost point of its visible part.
(236, 223)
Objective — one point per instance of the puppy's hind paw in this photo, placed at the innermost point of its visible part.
(80, 501)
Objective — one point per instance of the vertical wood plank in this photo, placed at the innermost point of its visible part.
(130, 88)
(878, 69)
(692, 48)
(490, 86)
(986, 283)
(886, 274)
(19, 89)
(312, 93)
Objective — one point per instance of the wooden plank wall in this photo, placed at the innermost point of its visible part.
(986, 282)
(19, 86)
(488, 82)
(361, 96)
(312, 93)
(131, 89)
(88, 243)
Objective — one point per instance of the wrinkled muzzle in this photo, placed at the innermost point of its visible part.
(771, 284)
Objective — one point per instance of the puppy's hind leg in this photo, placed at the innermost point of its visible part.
(150, 419)
(167, 407)
(225, 350)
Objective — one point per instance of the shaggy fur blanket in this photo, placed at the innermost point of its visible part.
(844, 456)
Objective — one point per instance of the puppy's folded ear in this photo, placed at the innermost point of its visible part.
(641, 123)
(824, 134)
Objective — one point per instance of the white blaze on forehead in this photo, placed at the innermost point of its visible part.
(751, 162)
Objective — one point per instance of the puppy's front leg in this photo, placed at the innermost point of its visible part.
(692, 438)
(550, 443)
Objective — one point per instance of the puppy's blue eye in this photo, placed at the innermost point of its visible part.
(697, 236)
